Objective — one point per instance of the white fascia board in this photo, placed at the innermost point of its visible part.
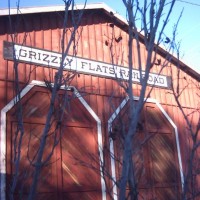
(57, 8)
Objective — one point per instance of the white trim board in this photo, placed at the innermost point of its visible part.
(57, 8)
(3, 135)
(112, 151)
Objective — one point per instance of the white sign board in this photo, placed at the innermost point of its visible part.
(81, 65)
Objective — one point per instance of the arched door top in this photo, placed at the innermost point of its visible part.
(13, 102)
(166, 116)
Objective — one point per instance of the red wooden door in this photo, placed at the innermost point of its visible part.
(154, 154)
(72, 172)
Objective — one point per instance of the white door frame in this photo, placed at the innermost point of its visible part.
(10, 105)
(112, 151)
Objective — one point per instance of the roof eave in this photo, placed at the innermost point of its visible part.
(108, 10)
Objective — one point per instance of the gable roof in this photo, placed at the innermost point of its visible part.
(108, 11)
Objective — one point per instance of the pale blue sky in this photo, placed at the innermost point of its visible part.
(188, 30)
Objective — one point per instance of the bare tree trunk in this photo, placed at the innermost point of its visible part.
(59, 80)
(194, 131)
(19, 133)
(57, 83)
(150, 30)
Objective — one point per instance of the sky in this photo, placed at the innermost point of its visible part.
(188, 29)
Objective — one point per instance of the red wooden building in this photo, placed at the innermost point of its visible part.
(75, 170)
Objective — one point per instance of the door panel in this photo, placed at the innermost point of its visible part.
(29, 150)
(89, 195)
(162, 158)
(80, 165)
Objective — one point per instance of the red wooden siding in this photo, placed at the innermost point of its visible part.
(70, 181)
(45, 33)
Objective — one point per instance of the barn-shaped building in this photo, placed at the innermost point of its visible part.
(83, 153)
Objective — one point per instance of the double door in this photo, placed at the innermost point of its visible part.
(154, 154)
(71, 164)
